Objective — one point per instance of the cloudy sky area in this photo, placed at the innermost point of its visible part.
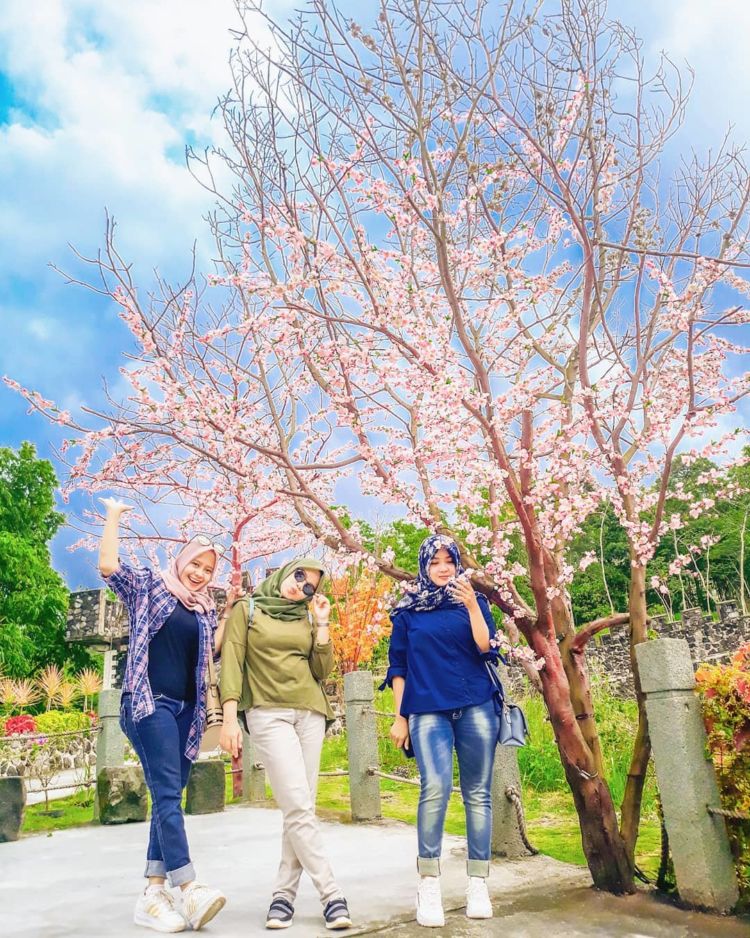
(97, 102)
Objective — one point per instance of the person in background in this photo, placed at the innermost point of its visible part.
(443, 699)
(173, 630)
(273, 665)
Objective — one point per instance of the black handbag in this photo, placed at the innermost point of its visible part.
(514, 730)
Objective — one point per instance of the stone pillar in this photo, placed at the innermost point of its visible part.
(362, 744)
(12, 806)
(110, 744)
(253, 773)
(206, 787)
(687, 784)
(506, 834)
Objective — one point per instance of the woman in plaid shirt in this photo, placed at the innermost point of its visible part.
(173, 629)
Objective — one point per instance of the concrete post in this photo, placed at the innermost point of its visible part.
(110, 744)
(253, 778)
(362, 744)
(687, 783)
(506, 834)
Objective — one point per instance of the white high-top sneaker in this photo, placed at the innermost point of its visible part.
(430, 902)
(478, 903)
(200, 903)
(155, 909)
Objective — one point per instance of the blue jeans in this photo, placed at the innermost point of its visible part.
(473, 732)
(159, 741)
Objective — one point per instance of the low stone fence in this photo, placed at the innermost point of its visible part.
(708, 639)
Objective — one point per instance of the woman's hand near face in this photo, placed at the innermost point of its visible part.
(233, 594)
(463, 591)
(321, 609)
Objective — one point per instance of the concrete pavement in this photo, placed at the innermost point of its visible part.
(83, 883)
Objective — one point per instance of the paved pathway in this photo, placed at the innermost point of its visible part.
(82, 883)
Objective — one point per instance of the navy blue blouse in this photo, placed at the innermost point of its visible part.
(173, 656)
(436, 653)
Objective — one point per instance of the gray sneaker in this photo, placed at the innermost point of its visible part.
(336, 914)
(280, 913)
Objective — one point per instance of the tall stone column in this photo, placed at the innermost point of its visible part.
(687, 783)
(110, 744)
(362, 744)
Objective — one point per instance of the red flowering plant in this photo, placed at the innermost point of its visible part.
(24, 723)
(725, 696)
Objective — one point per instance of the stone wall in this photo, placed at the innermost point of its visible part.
(710, 641)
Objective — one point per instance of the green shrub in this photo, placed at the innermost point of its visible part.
(62, 721)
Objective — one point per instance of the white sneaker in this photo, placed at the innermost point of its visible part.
(200, 903)
(155, 909)
(478, 903)
(430, 903)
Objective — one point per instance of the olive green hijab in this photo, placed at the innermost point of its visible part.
(267, 596)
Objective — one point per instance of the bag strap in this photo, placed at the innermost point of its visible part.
(495, 680)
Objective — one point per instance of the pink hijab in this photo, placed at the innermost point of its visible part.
(197, 601)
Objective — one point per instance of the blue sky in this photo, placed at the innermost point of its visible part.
(97, 102)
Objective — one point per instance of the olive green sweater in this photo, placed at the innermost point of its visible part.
(272, 663)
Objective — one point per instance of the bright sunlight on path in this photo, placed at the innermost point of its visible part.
(83, 883)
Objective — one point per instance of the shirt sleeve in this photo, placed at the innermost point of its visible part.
(129, 582)
(396, 652)
(233, 651)
(493, 654)
(321, 660)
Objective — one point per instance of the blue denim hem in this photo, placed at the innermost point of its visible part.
(185, 874)
(479, 868)
(428, 866)
(155, 868)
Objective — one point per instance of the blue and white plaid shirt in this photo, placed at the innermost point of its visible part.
(150, 604)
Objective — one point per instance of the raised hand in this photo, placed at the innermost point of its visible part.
(114, 506)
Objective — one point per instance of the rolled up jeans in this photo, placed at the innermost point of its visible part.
(472, 731)
(159, 741)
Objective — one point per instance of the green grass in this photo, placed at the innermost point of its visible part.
(74, 811)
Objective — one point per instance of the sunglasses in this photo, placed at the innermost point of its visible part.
(299, 575)
(206, 541)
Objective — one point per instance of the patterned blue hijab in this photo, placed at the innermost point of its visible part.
(422, 595)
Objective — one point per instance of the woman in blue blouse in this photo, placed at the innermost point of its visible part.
(444, 700)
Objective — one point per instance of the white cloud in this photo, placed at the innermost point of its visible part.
(711, 37)
(110, 94)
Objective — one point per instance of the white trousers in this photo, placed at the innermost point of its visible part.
(288, 742)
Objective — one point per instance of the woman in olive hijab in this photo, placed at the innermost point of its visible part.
(276, 653)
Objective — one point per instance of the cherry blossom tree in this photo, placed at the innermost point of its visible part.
(447, 270)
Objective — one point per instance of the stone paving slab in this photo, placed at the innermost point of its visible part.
(82, 883)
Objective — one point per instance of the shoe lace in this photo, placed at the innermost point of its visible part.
(429, 888)
(477, 888)
(161, 901)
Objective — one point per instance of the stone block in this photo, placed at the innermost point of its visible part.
(121, 795)
(206, 788)
(12, 804)
(665, 664)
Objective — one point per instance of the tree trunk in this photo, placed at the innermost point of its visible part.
(633, 797)
(606, 855)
